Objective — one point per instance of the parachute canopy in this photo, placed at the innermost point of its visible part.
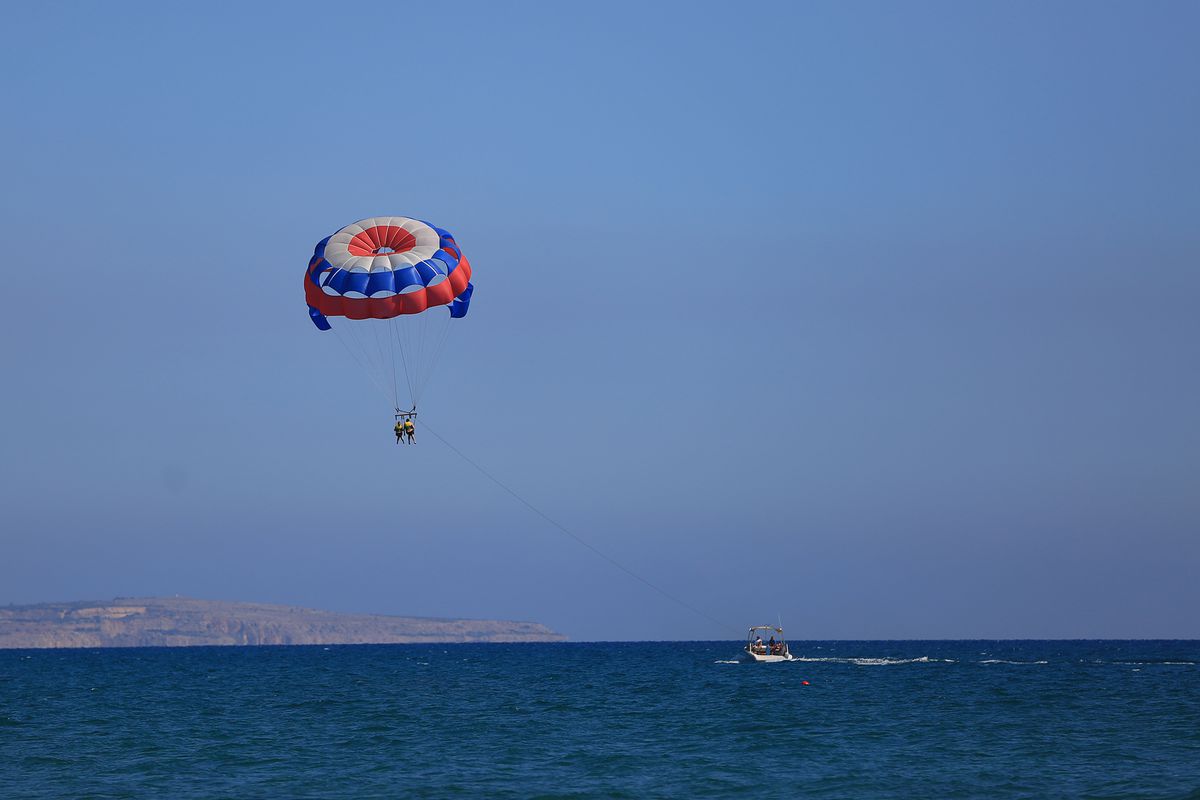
(383, 267)
(387, 276)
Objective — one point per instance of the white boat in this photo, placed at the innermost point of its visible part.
(771, 651)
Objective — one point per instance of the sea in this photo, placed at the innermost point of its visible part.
(851, 719)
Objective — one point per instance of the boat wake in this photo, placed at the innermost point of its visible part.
(888, 661)
(876, 662)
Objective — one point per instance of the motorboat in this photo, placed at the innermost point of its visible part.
(773, 650)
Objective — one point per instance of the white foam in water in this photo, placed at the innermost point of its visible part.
(719, 661)
(1002, 661)
(878, 662)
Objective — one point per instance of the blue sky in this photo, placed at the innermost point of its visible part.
(878, 317)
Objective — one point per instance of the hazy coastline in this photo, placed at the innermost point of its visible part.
(188, 622)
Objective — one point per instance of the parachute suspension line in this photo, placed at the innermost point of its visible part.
(384, 359)
(397, 332)
(361, 353)
(374, 369)
(361, 345)
(359, 361)
(418, 325)
(405, 326)
(379, 350)
(443, 335)
(429, 323)
(580, 540)
(392, 350)
(421, 323)
(419, 338)
(440, 337)
(437, 352)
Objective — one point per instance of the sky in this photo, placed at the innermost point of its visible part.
(878, 319)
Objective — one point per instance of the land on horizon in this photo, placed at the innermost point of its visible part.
(188, 622)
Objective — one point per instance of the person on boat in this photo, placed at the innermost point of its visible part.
(758, 645)
(771, 645)
(399, 429)
(409, 429)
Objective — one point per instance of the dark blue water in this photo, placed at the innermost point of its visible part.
(877, 719)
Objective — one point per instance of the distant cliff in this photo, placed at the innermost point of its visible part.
(183, 622)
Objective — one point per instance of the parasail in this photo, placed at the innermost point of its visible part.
(393, 279)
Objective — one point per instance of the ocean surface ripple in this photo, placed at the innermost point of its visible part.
(969, 719)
